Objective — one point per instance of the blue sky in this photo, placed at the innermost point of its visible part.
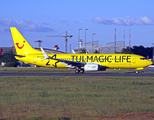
(36, 19)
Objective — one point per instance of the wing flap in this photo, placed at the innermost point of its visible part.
(72, 63)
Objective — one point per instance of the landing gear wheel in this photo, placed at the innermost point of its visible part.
(82, 71)
(77, 71)
(137, 72)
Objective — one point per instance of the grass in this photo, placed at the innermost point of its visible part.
(65, 98)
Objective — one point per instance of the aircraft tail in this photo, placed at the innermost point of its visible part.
(21, 45)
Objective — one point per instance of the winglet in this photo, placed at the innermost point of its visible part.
(73, 51)
(44, 53)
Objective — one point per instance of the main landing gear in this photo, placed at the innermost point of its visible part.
(77, 71)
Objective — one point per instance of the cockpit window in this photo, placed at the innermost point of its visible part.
(143, 58)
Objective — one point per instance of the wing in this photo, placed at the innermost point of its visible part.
(71, 63)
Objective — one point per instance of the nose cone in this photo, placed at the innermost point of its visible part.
(149, 62)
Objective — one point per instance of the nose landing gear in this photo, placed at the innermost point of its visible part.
(137, 71)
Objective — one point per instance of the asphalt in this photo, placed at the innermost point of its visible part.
(85, 74)
(142, 74)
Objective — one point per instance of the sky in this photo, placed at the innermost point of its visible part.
(36, 19)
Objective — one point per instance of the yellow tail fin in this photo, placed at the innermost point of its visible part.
(21, 45)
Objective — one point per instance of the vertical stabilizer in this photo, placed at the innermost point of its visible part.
(21, 45)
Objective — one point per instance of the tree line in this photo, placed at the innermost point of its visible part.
(10, 60)
(147, 52)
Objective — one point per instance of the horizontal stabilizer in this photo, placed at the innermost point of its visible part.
(15, 55)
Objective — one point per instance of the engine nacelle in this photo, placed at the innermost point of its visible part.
(70, 66)
(93, 67)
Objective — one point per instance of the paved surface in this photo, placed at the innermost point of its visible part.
(149, 69)
(85, 74)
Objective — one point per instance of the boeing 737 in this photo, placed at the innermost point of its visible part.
(79, 62)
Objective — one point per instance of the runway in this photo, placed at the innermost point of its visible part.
(85, 74)
(142, 74)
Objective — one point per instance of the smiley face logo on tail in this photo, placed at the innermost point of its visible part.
(21, 46)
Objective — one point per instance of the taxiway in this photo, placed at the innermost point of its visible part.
(142, 74)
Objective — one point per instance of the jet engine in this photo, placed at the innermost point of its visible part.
(94, 67)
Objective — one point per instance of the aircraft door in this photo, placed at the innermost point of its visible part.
(134, 60)
(34, 59)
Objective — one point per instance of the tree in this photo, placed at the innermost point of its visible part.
(141, 50)
(96, 51)
(9, 59)
(126, 50)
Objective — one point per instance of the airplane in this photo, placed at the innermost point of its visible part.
(79, 62)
